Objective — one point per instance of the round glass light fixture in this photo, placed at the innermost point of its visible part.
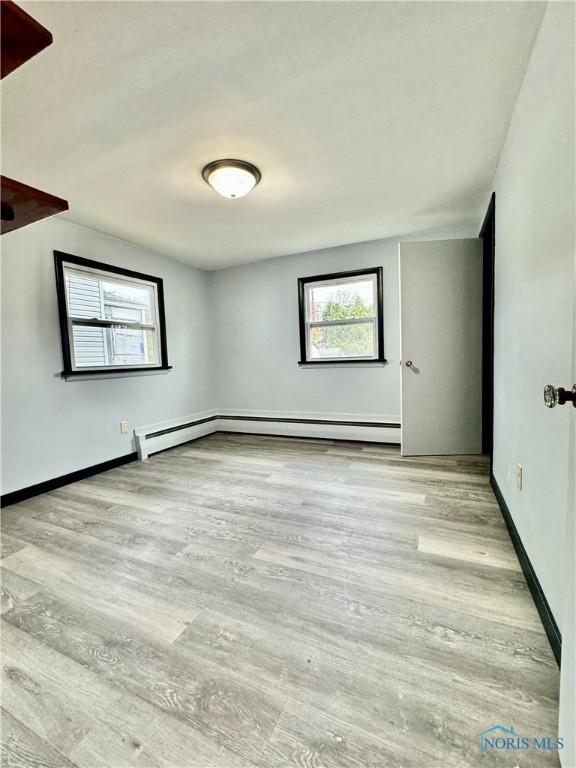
(231, 178)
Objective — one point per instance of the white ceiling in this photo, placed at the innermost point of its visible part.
(367, 119)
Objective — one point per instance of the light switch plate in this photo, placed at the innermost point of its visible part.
(124, 427)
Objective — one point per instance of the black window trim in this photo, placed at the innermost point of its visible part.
(303, 281)
(61, 258)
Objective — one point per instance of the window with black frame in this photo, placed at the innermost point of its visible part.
(111, 319)
(341, 317)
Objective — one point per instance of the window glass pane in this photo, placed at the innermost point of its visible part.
(95, 295)
(100, 347)
(130, 346)
(127, 314)
(338, 341)
(89, 345)
(121, 301)
(341, 300)
(84, 296)
(99, 297)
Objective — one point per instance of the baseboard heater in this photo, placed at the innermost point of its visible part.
(158, 437)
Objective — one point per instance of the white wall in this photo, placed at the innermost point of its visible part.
(255, 311)
(232, 342)
(534, 297)
(51, 426)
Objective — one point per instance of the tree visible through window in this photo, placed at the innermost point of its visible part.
(341, 317)
(349, 340)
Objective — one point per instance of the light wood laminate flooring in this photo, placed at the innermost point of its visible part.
(258, 601)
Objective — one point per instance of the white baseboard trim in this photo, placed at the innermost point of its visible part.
(158, 437)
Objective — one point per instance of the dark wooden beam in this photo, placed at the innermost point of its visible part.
(22, 205)
(21, 37)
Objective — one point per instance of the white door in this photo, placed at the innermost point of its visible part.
(441, 343)
(567, 725)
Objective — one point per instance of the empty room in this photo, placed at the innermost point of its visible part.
(288, 384)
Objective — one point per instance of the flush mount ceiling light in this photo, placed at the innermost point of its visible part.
(231, 178)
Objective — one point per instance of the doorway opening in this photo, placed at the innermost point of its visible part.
(487, 233)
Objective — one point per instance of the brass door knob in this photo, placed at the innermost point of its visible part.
(408, 363)
(554, 396)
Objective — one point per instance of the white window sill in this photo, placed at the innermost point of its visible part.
(88, 376)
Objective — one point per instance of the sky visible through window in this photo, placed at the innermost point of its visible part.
(343, 293)
(125, 293)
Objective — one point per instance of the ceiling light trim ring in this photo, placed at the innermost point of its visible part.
(231, 163)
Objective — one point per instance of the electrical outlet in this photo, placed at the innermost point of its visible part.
(519, 476)
(124, 427)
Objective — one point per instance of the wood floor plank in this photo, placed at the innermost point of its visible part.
(196, 453)
(167, 533)
(474, 596)
(112, 597)
(306, 737)
(236, 714)
(114, 531)
(346, 489)
(248, 601)
(92, 722)
(111, 496)
(14, 587)
(324, 675)
(9, 544)
(21, 748)
(472, 550)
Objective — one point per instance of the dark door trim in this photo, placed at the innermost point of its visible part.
(488, 235)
